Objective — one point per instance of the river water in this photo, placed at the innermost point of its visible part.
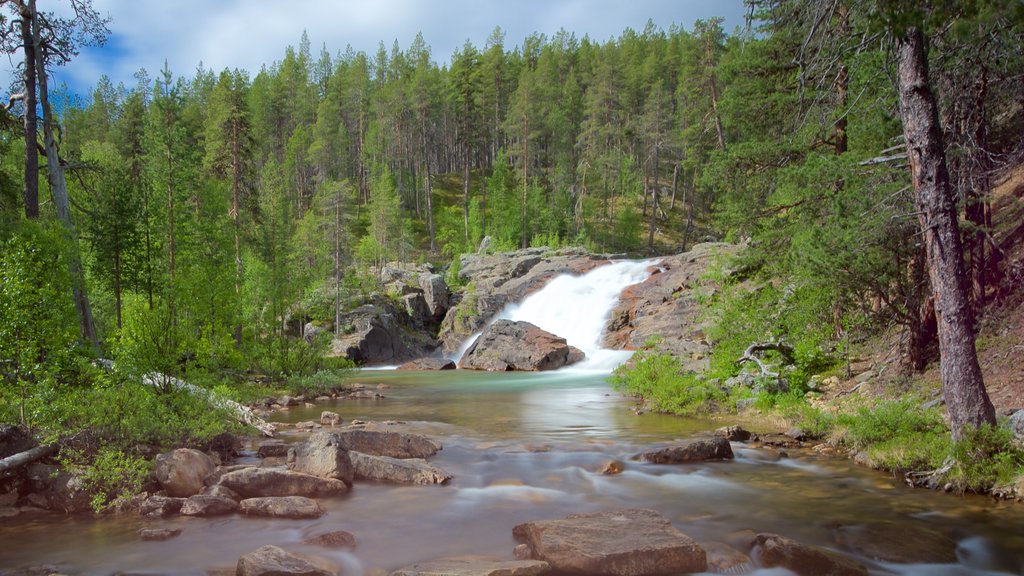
(526, 447)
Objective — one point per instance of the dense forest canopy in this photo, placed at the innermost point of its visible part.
(211, 208)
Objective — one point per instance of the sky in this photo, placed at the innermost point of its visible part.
(249, 34)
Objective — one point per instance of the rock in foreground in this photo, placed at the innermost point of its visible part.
(506, 345)
(205, 505)
(273, 561)
(774, 551)
(474, 567)
(634, 542)
(255, 482)
(397, 471)
(691, 451)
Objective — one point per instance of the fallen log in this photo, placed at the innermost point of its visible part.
(242, 413)
(15, 461)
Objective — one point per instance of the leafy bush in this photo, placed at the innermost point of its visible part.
(321, 383)
(987, 459)
(656, 376)
(114, 476)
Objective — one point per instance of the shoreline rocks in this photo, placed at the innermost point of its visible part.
(700, 450)
(258, 482)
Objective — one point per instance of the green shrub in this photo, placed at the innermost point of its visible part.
(114, 476)
(889, 420)
(656, 376)
(987, 458)
(321, 383)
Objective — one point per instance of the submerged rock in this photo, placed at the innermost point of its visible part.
(774, 551)
(506, 345)
(734, 433)
(900, 544)
(158, 534)
(255, 482)
(273, 561)
(335, 539)
(634, 542)
(474, 567)
(397, 471)
(391, 444)
(724, 559)
(691, 451)
(181, 472)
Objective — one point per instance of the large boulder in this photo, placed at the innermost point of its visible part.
(208, 505)
(281, 507)
(634, 542)
(182, 472)
(774, 551)
(691, 451)
(436, 295)
(474, 567)
(397, 471)
(381, 333)
(273, 561)
(392, 444)
(667, 306)
(256, 482)
(507, 345)
(322, 455)
(57, 489)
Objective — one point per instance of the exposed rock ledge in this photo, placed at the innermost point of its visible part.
(508, 345)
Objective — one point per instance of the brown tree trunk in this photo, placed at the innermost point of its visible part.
(31, 190)
(964, 390)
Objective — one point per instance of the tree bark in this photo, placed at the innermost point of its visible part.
(20, 459)
(964, 390)
(31, 190)
(59, 186)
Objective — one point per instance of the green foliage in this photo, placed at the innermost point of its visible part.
(987, 459)
(321, 383)
(656, 377)
(114, 476)
(38, 332)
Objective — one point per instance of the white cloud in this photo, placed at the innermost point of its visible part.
(248, 34)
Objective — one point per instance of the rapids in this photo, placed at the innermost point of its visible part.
(525, 447)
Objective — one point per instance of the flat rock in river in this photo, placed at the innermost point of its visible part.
(691, 451)
(635, 542)
(397, 471)
(391, 444)
(274, 561)
(474, 567)
(255, 482)
(281, 507)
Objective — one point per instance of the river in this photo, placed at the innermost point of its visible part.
(526, 447)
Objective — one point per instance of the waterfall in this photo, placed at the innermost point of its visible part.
(577, 308)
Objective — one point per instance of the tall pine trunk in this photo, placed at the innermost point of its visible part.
(968, 402)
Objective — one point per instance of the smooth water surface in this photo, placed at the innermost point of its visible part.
(527, 447)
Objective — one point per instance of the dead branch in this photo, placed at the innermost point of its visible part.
(781, 347)
(13, 462)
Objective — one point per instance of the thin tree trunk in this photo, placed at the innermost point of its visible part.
(236, 178)
(31, 190)
(59, 186)
(964, 390)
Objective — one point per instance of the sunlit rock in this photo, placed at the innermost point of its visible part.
(506, 345)
(181, 472)
(691, 451)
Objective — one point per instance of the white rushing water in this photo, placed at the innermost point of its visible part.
(578, 308)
